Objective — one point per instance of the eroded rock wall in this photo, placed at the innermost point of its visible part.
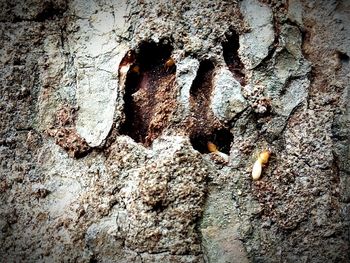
(129, 130)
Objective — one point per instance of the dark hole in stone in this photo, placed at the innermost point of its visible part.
(343, 57)
(202, 86)
(152, 56)
(133, 124)
(203, 126)
(82, 154)
(158, 207)
(200, 93)
(18, 61)
(222, 138)
(50, 12)
(230, 52)
(147, 91)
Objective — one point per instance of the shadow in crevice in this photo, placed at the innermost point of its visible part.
(50, 12)
(201, 89)
(230, 52)
(203, 126)
(222, 138)
(201, 121)
(343, 58)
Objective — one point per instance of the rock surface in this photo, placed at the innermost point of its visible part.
(255, 44)
(227, 100)
(107, 108)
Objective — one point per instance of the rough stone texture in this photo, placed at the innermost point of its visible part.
(187, 23)
(171, 184)
(220, 233)
(95, 42)
(185, 74)
(73, 189)
(255, 44)
(227, 99)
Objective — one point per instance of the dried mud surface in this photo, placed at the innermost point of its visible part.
(107, 109)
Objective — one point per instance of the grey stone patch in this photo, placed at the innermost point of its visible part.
(219, 228)
(295, 11)
(64, 192)
(97, 57)
(146, 180)
(344, 186)
(186, 72)
(83, 9)
(191, 25)
(227, 99)
(168, 145)
(169, 258)
(285, 82)
(102, 22)
(309, 139)
(32, 10)
(254, 45)
(65, 178)
(55, 78)
(102, 239)
(102, 18)
(289, 60)
(99, 45)
(121, 29)
(275, 127)
(296, 93)
(96, 93)
(155, 193)
(234, 158)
